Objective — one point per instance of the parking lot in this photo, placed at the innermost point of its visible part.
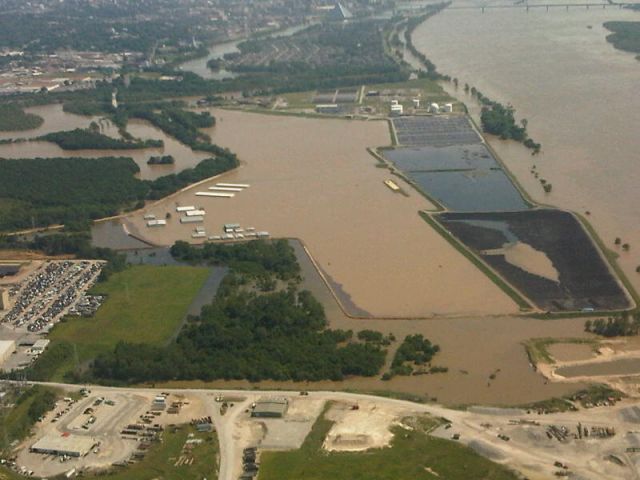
(55, 289)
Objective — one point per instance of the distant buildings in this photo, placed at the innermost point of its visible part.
(328, 108)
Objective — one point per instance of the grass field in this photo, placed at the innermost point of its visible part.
(16, 422)
(145, 304)
(160, 460)
(413, 454)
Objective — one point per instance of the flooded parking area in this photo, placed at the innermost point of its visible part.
(584, 280)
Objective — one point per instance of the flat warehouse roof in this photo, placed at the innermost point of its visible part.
(61, 445)
(271, 405)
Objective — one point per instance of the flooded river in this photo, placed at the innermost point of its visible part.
(55, 119)
(578, 93)
(218, 50)
(367, 240)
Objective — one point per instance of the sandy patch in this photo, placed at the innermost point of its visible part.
(361, 429)
(524, 256)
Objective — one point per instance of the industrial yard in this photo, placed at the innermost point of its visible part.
(103, 430)
(108, 426)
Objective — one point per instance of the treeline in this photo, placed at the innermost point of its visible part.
(87, 139)
(41, 192)
(415, 351)
(411, 24)
(500, 120)
(12, 117)
(48, 191)
(209, 167)
(256, 257)
(170, 117)
(30, 405)
(161, 160)
(69, 243)
(247, 334)
(622, 326)
(625, 36)
(176, 122)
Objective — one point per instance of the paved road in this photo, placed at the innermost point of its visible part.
(477, 427)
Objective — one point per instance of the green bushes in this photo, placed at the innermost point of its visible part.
(622, 326)
(41, 192)
(12, 117)
(414, 351)
(209, 167)
(278, 336)
(180, 124)
(81, 139)
(625, 36)
(30, 405)
(257, 257)
(246, 333)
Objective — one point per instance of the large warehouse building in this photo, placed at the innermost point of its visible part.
(64, 444)
(270, 408)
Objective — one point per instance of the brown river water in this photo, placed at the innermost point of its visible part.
(578, 93)
(55, 120)
(312, 179)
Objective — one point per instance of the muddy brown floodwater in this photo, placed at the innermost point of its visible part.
(55, 119)
(578, 93)
(313, 179)
(565, 352)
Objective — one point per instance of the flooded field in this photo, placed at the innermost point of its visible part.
(55, 119)
(471, 190)
(569, 352)
(452, 157)
(112, 234)
(451, 165)
(576, 90)
(366, 238)
(574, 275)
(473, 349)
(622, 366)
(218, 50)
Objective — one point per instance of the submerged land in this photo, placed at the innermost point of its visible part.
(324, 265)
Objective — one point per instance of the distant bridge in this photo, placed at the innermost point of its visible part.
(546, 6)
